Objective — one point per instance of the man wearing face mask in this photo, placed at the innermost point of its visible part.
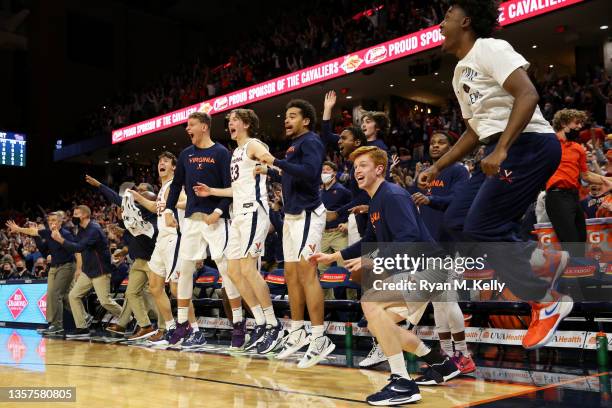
(63, 267)
(562, 199)
(334, 195)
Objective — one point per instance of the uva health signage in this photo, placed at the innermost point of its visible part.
(510, 12)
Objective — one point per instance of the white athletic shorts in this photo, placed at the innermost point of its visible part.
(247, 234)
(198, 237)
(302, 234)
(164, 259)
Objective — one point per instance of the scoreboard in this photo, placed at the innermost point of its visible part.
(12, 149)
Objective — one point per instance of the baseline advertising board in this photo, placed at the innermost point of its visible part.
(23, 302)
(510, 12)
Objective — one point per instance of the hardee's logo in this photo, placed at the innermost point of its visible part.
(351, 63)
(16, 303)
(290, 150)
(374, 217)
(506, 175)
(16, 347)
(42, 305)
(205, 107)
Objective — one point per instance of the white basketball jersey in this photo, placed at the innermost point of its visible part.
(248, 191)
(161, 219)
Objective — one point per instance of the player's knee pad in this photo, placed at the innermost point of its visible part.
(185, 280)
(441, 317)
(455, 319)
(230, 289)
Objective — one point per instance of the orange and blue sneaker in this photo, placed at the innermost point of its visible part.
(549, 263)
(545, 318)
(465, 363)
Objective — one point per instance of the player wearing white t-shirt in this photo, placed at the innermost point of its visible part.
(249, 227)
(499, 106)
(164, 260)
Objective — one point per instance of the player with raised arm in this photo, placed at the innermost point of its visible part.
(302, 230)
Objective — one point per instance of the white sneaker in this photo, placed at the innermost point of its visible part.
(295, 341)
(375, 357)
(318, 349)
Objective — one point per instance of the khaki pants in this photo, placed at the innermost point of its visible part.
(58, 285)
(332, 241)
(138, 299)
(101, 285)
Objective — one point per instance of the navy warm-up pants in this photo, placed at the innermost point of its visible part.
(489, 209)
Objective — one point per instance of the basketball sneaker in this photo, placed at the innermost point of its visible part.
(181, 333)
(375, 356)
(465, 363)
(439, 373)
(238, 335)
(272, 337)
(318, 349)
(545, 318)
(256, 336)
(88, 320)
(399, 391)
(548, 263)
(78, 333)
(293, 342)
(195, 341)
(53, 331)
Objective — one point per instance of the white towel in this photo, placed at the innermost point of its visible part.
(132, 218)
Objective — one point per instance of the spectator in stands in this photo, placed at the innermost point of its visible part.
(39, 271)
(562, 199)
(274, 241)
(21, 272)
(7, 270)
(591, 203)
(333, 195)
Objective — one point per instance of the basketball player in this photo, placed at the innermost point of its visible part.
(499, 105)
(249, 227)
(164, 259)
(393, 218)
(206, 223)
(302, 230)
(432, 203)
